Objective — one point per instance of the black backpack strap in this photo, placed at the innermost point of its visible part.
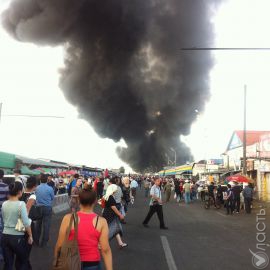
(97, 221)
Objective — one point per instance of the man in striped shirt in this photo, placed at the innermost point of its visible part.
(3, 197)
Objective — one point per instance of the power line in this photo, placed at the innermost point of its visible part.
(225, 49)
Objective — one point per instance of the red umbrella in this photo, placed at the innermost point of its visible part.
(67, 173)
(240, 178)
(71, 172)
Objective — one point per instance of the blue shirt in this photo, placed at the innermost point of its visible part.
(248, 192)
(45, 195)
(133, 184)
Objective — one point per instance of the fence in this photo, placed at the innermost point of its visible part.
(60, 203)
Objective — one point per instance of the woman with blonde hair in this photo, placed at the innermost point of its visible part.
(126, 182)
(113, 216)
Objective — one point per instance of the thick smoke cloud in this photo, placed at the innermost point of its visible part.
(124, 69)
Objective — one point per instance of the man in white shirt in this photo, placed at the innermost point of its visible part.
(155, 205)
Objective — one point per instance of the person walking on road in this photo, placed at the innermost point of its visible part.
(92, 232)
(45, 197)
(187, 189)
(229, 199)
(74, 197)
(155, 205)
(4, 193)
(177, 190)
(168, 191)
(118, 195)
(181, 189)
(146, 187)
(126, 192)
(100, 187)
(133, 187)
(236, 195)
(14, 242)
(113, 216)
(29, 197)
(51, 183)
(211, 193)
(248, 196)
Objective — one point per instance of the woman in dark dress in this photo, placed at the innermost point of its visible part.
(126, 192)
(113, 216)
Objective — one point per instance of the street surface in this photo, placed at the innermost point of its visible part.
(196, 239)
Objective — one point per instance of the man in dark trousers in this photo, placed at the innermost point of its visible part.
(155, 205)
(45, 197)
(211, 192)
(248, 196)
(236, 197)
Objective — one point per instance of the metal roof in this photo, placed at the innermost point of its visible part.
(7, 160)
(31, 161)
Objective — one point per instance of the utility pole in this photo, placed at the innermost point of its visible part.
(245, 133)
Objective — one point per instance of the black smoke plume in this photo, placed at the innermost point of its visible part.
(124, 68)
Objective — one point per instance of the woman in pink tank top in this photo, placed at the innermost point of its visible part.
(92, 232)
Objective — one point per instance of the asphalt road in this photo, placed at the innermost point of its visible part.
(196, 239)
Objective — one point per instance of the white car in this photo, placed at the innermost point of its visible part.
(11, 178)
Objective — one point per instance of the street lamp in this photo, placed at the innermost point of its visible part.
(174, 156)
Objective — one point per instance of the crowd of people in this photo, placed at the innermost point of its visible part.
(25, 219)
(26, 211)
(234, 196)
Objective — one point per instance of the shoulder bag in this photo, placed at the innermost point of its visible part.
(68, 257)
(35, 212)
(20, 226)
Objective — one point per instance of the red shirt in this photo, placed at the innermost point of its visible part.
(88, 238)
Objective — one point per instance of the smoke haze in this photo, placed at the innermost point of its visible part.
(124, 69)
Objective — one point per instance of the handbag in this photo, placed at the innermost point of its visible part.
(35, 212)
(20, 226)
(68, 258)
(102, 202)
(122, 210)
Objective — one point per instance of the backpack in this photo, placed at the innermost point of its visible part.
(35, 212)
